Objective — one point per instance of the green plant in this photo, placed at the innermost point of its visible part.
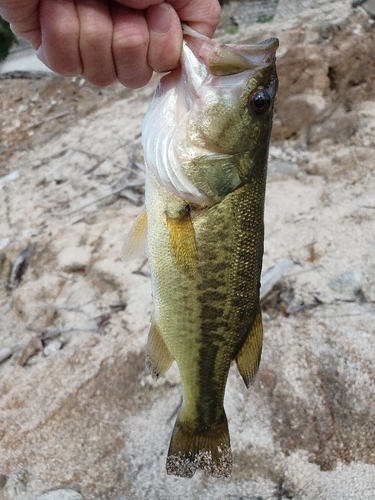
(231, 30)
(264, 18)
(6, 38)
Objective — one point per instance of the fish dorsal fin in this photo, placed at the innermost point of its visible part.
(248, 358)
(135, 242)
(158, 357)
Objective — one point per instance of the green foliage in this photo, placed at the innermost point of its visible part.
(264, 18)
(6, 38)
(231, 30)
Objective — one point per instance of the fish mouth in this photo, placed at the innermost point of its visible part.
(227, 59)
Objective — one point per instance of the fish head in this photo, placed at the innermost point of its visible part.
(230, 93)
(217, 106)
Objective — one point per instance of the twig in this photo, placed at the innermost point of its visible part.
(88, 204)
(52, 333)
(140, 270)
(91, 319)
(48, 119)
(20, 265)
(273, 276)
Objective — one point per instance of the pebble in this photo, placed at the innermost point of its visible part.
(369, 6)
(348, 282)
(9, 177)
(73, 259)
(60, 494)
(5, 353)
(15, 485)
(52, 347)
(4, 242)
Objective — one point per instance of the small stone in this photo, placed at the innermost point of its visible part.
(369, 6)
(4, 242)
(5, 353)
(279, 170)
(15, 485)
(347, 283)
(52, 347)
(73, 259)
(60, 494)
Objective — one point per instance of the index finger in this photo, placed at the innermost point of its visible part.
(201, 15)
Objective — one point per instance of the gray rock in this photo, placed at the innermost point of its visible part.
(61, 494)
(15, 485)
(347, 283)
(369, 6)
(5, 353)
(53, 346)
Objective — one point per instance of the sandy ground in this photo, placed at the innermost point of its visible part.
(77, 407)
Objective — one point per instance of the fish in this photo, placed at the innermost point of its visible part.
(205, 139)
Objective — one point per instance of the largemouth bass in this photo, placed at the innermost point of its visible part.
(206, 138)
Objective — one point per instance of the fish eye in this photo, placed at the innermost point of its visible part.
(260, 101)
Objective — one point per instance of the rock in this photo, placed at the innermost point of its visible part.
(5, 353)
(15, 485)
(347, 283)
(74, 259)
(53, 346)
(340, 127)
(4, 242)
(304, 85)
(297, 112)
(289, 8)
(368, 285)
(60, 494)
(369, 6)
(279, 170)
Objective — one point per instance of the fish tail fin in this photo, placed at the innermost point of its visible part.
(207, 449)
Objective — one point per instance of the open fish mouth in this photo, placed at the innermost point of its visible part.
(227, 59)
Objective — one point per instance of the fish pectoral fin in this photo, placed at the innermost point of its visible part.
(135, 242)
(248, 358)
(182, 239)
(158, 357)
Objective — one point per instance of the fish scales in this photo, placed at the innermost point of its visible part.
(205, 187)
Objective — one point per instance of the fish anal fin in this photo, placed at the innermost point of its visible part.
(207, 449)
(248, 358)
(135, 242)
(182, 239)
(158, 357)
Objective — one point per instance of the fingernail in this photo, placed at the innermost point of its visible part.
(160, 18)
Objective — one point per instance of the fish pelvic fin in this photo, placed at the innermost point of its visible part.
(182, 239)
(207, 449)
(158, 357)
(135, 242)
(248, 358)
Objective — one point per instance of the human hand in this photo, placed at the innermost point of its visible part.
(105, 40)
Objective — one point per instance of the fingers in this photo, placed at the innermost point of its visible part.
(95, 41)
(129, 46)
(165, 37)
(105, 40)
(24, 21)
(60, 37)
(201, 15)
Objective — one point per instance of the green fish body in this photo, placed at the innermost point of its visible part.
(206, 140)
